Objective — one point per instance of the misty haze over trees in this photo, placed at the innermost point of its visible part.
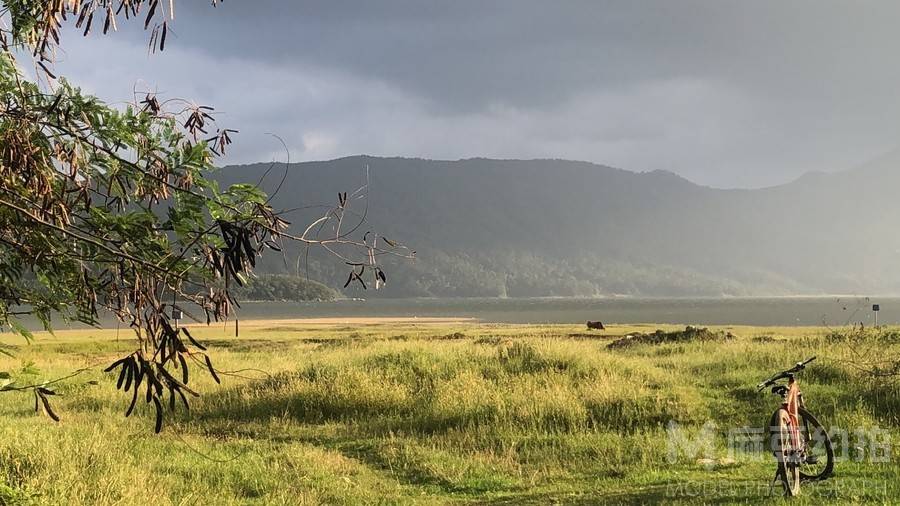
(511, 228)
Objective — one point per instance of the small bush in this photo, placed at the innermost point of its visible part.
(689, 334)
(452, 337)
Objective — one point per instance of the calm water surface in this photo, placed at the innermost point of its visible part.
(780, 311)
(703, 311)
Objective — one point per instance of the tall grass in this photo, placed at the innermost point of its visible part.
(428, 413)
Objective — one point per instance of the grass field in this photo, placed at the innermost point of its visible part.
(436, 412)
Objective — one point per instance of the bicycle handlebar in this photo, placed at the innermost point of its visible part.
(810, 359)
(786, 373)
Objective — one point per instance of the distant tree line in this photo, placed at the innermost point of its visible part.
(497, 273)
(284, 287)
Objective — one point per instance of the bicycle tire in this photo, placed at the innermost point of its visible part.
(788, 470)
(808, 423)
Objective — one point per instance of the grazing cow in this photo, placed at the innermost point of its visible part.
(595, 325)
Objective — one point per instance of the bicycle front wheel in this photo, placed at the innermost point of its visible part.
(788, 471)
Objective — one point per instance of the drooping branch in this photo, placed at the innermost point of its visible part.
(114, 209)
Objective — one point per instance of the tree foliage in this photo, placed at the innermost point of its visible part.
(111, 209)
(284, 287)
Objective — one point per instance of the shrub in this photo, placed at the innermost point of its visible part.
(689, 334)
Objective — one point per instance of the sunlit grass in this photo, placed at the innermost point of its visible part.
(403, 412)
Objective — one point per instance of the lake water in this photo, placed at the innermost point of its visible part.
(775, 311)
(833, 311)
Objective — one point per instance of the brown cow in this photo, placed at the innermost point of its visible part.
(595, 325)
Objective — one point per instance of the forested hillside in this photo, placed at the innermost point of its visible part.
(560, 228)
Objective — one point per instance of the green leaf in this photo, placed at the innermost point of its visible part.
(30, 368)
(18, 328)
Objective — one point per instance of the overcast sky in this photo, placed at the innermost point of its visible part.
(724, 93)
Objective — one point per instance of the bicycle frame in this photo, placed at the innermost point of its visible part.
(789, 415)
(793, 400)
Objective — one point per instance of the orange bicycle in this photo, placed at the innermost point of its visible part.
(800, 444)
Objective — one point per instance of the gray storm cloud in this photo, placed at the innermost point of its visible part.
(723, 93)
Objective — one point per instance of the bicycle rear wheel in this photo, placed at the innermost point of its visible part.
(817, 460)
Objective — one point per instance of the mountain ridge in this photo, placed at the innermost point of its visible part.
(892, 156)
(557, 227)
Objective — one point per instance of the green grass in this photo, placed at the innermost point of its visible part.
(436, 413)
